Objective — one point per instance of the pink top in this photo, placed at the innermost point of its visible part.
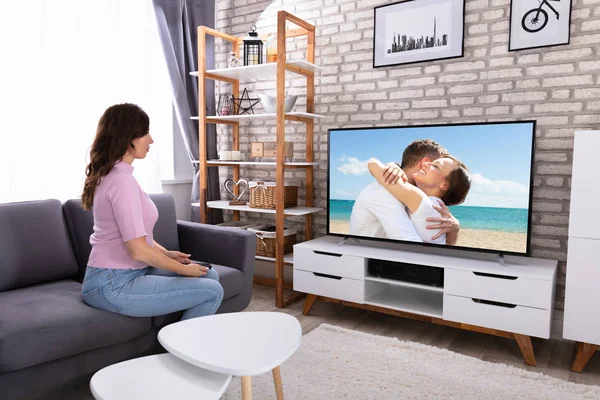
(122, 212)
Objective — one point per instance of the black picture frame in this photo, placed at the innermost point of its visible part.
(452, 12)
(523, 35)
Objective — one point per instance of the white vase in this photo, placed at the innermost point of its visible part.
(269, 103)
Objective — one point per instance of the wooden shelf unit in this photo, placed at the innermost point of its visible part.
(233, 76)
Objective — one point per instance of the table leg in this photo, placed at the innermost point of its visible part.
(278, 385)
(246, 388)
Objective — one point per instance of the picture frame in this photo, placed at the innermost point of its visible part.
(414, 31)
(534, 24)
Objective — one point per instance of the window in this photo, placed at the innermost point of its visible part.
(63, 63)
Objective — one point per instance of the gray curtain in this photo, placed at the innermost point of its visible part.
(178, 22)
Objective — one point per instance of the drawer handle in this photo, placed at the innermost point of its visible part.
(512, 278)
(327, 276)
(327, 254)
(494, 303)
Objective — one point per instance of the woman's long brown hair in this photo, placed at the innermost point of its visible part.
(117, 128)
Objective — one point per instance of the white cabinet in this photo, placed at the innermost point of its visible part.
(500, 287)
(582, 293)
(511, 300)
(329, 285)
(494, 315)
(585, 190)
(330, 263)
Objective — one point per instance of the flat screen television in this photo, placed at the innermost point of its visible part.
(494, 195)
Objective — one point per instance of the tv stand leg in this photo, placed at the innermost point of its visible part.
(526, 348)
(585, 351)
(308, 303)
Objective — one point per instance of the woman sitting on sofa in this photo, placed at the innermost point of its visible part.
(118, 277)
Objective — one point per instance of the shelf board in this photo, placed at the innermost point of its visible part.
(293, 211)
(261, 71)
(404, 284)
(415, 301)
(287, 259)
(215, 163)
(264, 116)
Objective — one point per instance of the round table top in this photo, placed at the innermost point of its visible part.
(240, 344)
(161, 376)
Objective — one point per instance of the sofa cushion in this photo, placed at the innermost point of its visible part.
(232, 281)
(81, 227)
(165, 230)
(49, 321)
(34, 244)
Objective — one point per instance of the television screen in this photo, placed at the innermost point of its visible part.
(466, 186)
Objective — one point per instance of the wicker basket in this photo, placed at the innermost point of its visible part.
(262, 195)
(266, 240)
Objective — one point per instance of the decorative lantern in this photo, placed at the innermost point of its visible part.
(253, 48)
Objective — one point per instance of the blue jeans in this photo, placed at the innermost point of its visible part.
(150, 292)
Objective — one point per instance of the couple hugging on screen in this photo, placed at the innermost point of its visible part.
(404, 200)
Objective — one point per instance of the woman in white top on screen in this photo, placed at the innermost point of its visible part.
(446, 179)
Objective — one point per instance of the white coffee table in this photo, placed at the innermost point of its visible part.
(161, 376)
(243, 344)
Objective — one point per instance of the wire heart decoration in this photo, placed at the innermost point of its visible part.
(241, 181)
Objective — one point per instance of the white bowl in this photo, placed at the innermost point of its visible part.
(269, 103)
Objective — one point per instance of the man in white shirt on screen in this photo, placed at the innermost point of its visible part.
(377, 213)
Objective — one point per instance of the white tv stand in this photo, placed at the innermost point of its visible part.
(514, 299)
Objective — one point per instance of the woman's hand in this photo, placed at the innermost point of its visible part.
(393, 173)
(193, 270)
(179, 256)
(446, 222)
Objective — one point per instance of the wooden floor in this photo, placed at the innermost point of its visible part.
(553, 357)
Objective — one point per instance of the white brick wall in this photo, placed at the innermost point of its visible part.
(557, 86)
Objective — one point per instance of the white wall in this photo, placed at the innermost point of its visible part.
(181, 192)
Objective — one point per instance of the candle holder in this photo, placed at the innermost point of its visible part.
(225, 105)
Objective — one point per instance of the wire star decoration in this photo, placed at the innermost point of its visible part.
(241, 110)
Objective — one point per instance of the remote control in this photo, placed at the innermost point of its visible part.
(204, 264)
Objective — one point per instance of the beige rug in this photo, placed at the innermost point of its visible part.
(338, 363)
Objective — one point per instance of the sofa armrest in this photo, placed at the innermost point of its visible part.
(231, 247)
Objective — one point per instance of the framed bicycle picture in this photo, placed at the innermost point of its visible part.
(540, 23)
(418, 30)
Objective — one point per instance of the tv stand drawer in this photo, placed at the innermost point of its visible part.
(330, 263)
(499, 286)
(496, 315)
(327, 285)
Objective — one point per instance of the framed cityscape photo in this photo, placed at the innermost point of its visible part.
(536, 23)
(418, 30)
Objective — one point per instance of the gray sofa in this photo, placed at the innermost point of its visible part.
(48, 336)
